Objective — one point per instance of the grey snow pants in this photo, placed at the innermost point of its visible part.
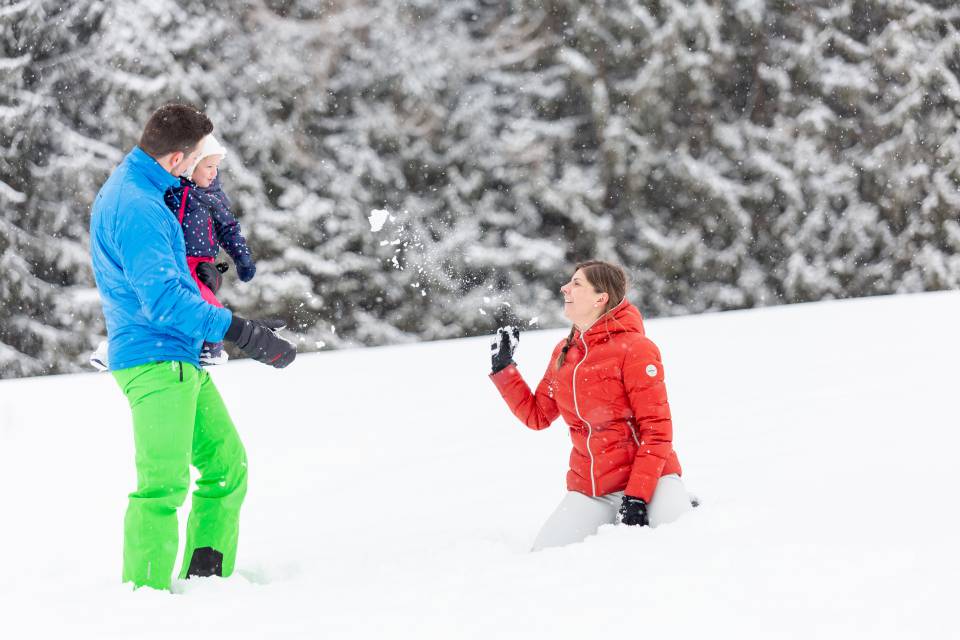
(579, 515)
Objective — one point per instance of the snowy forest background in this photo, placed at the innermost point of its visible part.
(731, 154)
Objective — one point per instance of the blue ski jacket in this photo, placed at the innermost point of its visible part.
(151, 304)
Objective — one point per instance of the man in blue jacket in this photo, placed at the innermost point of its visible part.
(156, 323)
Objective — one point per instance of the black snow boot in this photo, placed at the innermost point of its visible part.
(206, 562)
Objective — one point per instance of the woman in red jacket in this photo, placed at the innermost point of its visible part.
(606, 380)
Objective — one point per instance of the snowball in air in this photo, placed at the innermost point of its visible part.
(377, 218)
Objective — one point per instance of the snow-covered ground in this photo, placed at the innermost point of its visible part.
(392, 494)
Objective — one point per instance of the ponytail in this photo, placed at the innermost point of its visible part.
(566, 347)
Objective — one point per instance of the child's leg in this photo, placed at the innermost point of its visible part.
(214, 523)
(212, 353)
(577, 517)
(162, 397)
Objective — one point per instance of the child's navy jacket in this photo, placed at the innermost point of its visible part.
(207, 222)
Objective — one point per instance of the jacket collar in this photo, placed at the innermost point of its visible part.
(141, 162)
(622, 318)
(213, 188)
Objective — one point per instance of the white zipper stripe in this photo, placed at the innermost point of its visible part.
(576, 407)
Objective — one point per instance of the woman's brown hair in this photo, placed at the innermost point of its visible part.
(606, 278)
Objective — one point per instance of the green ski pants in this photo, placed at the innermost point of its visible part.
(179, 419)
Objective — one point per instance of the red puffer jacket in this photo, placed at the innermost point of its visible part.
(610, 391)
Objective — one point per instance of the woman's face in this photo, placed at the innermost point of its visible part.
(581, 302)
(206, 171)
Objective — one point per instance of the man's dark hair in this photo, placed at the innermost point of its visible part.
(174, 127)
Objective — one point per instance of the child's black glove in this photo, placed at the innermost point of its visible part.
(501, 351)
(259, 340)
(633, 511)
(208, 274)
(246, 268)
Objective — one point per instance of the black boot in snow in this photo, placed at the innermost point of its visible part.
(206, 562)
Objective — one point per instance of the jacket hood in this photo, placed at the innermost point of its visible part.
(623, 318)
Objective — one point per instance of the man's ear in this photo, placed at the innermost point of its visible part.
(176, 158)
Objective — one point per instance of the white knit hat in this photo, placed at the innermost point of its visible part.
(209, 146)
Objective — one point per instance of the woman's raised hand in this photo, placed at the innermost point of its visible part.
(501, 350)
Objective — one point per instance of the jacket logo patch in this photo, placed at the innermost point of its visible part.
(652, 370)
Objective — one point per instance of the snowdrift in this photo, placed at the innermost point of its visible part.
(392, 494)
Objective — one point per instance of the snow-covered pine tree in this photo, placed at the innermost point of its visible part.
(755, 153)
(79, 80)
(868, 131)
(653, 86)
(47, 167)
(394, 111)
(730, 154)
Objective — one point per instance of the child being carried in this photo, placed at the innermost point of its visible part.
(203, 210)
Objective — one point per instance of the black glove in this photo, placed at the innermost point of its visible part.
(208, 274)
(501, 351)
(633, 511)
(259, 340)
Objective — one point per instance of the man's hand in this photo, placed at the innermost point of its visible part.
(259, 340)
